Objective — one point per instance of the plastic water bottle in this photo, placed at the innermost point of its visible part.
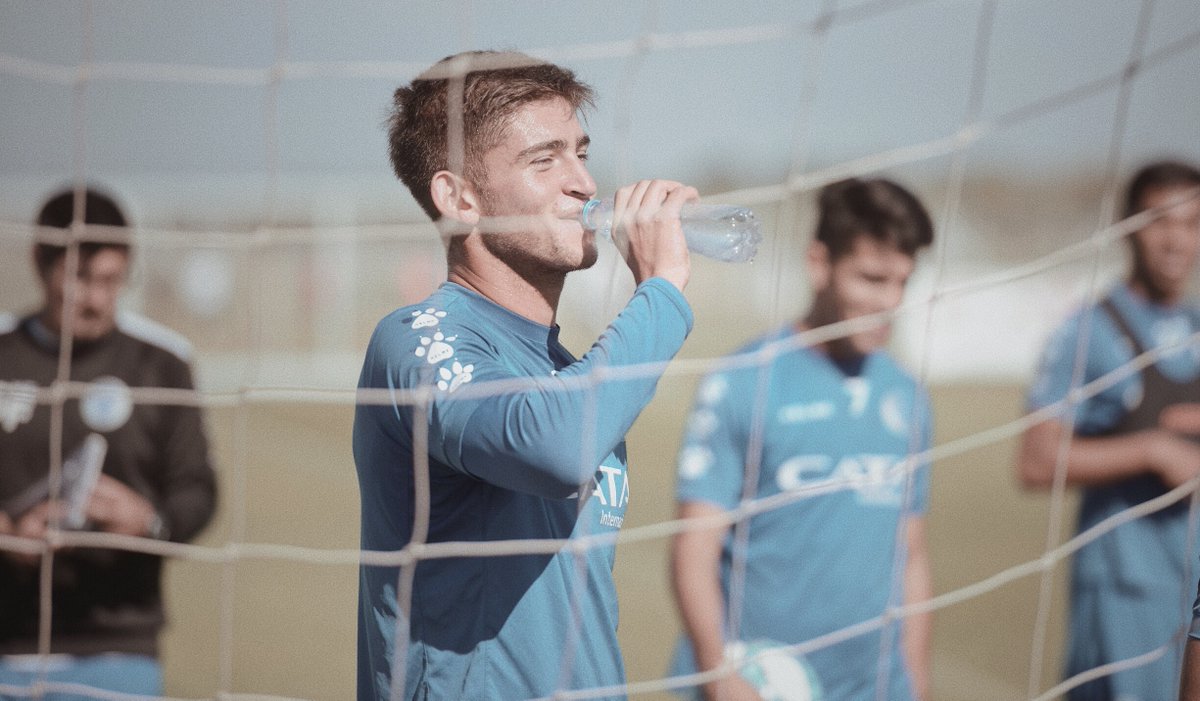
(723, 232)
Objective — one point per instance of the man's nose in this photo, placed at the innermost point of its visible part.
(580, 181)
(93, 295)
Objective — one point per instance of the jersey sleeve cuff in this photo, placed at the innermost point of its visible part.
(658, 285)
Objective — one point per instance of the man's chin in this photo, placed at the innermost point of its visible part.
(586, 260)
(1166, 286)
(88, 332)
(590, 256)
(864, 345)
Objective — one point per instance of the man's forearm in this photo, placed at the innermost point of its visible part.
(695, 558)
(1089, 461)
(918, 628)
(1189, 687)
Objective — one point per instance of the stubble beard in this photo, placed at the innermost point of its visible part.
(855, 345)
(530, 259)
(523, 252)
(1159, 286)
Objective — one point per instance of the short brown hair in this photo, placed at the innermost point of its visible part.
(1163, 174)
(59, 213)
(879, 209)
(494, 85)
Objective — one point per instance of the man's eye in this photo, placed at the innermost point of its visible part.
(582, 156)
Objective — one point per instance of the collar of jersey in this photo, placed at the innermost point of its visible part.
(510, 320)
(785, 334)
(1128, 302)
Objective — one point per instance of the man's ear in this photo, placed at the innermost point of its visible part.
(42, 269)
(455, 199)
(819, 265)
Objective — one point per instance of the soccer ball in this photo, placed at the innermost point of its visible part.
(778, 676)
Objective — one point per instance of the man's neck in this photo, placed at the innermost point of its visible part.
(534, 299)
(1151, 293)
(840, 351)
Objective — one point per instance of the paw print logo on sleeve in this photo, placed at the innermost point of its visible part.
(427, 318)
(713, 390)
(454, 377)
(435, 348)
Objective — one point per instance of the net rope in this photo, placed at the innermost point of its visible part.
(800, 180)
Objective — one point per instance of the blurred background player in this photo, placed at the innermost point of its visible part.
(1131, 442)
(539, 456)
(840, 414)
(156, 480)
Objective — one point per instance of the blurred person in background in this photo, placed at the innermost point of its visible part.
(841, 418)
(1130, 442)
(133, 469)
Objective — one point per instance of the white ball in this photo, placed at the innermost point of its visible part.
(777, 675)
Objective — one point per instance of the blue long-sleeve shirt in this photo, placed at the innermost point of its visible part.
(516, 429)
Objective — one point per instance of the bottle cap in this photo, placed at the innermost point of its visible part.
(585, 215)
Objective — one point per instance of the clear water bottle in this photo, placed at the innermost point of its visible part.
(723, 232)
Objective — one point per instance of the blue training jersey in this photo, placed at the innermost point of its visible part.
(516, 430)
(1144, 553)
(835, 457)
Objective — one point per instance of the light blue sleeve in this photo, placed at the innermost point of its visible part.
(1056, 367)
(711, 462)
(547, 435)
(1106, 351)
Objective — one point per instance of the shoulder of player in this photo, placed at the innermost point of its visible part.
(762, 349)
(426, 334)
(891, 380)
(738, 372)
(155, 337)
(885, 367)
(1092, 319)
(1191, 307)
(446, 315)
(742, 364)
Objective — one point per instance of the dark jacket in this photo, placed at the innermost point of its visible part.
(103, 600)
